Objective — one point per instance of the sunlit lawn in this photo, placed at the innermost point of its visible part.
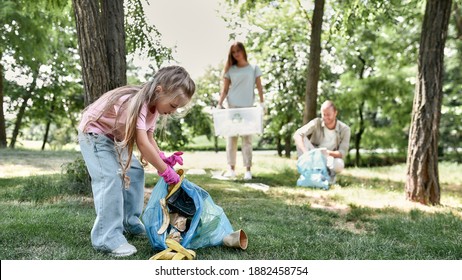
(364, 216)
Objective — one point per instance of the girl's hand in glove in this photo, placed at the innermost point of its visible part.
(173, 159)
(170, 176)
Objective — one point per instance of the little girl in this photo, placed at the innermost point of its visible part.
(108, 131)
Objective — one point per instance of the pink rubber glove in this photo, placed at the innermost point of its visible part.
(170, 176)
(173, 159)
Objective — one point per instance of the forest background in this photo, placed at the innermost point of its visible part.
(368, 66)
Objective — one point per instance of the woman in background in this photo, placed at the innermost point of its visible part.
(239, 81)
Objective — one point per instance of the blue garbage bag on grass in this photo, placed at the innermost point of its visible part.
(207, 227)
(313, 170)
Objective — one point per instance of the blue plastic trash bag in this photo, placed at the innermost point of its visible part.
(313, 170)
(207, 227)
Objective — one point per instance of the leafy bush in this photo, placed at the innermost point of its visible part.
(75, 177)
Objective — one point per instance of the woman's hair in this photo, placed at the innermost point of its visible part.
(231, 60)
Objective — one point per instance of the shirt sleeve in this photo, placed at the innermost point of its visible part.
(307, 129)
(151, 122)
(141, 123)
(258, 72)
(345, 141)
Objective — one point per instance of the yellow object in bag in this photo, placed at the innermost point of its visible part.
(174, 252)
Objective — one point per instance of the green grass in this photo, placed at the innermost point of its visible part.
(364, 217)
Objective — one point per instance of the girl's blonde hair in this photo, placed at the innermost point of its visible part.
(171, 80)
(231, 60)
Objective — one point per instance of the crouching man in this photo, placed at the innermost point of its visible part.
(328, 134)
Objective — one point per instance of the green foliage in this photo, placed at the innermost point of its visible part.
(178, 131)
(40, 38)
(373, 49)
(42, 49)
(451, 112)
(196, 120)
(75, 177)
(367, 66)
(199, 122)
(142, 37)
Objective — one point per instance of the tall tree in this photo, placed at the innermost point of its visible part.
(106, 35)
(100, 29)
(422, 182)
(2, 115)
(25, 41)
(314, 64)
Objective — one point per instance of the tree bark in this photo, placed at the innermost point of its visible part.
(359, 133)
(101, 33)
(49, 121)
(22, 110)
(422, 182)
(288, 145)
(279, 146)
(92, 49)
(45, 136)
(458, 20)
(2, 115)
(113, 14)
(314, 63)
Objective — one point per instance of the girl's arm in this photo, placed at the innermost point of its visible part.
(153, 142)
(149, 150)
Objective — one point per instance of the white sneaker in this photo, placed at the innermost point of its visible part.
(124, 250)
(230, 174)
(248, 175)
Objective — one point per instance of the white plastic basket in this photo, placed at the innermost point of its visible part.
(238, 121)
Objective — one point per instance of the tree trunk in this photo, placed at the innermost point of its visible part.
(22, 110)
(19, 117)
(49, 121)
(2, 116)
(45, 136)
(101, 36)
(458, 20)
(359, 134)
(92, 49)
(279, 146)
(314, 63)
(288, 145)
(422, 182)
(113, 14)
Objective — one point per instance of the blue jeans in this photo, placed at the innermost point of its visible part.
(118, 210)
